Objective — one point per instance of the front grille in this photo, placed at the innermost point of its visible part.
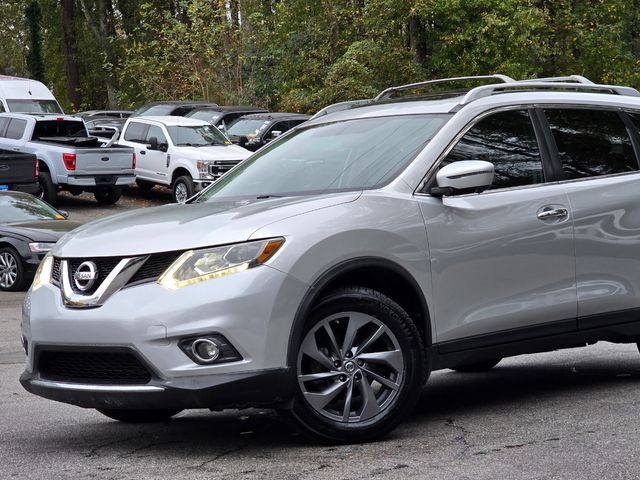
(92, 367)
(220, 167)
(150, 270)
(55, 273)
(105, 266)
(153, 267)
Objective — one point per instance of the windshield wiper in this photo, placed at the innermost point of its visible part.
(262, 197)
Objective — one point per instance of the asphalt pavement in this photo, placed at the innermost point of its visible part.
(570, 414)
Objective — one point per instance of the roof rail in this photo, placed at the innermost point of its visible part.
(337, 107)
(488, 90)
(569, 78)
(390, 91)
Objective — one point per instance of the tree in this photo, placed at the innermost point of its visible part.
(35, 63)
(70, 53)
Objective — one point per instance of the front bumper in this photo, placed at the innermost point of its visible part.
(233, 390)
(253, 310)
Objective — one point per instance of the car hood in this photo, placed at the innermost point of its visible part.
(182, 227)
(214, 152)
(40, 230)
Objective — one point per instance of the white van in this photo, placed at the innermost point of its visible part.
(22, 95)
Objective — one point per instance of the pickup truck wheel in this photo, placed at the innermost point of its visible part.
(183, 189)
(477, 367)
(360, 367)
(48, 191)
(140, 416)
(11, 270)
(107, 195)
(144, 186)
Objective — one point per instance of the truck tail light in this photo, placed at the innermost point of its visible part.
(133, 161)
(36, 169)
(69, 160)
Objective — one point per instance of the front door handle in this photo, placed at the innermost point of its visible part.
(143, 152)
(16, 149)
(549, 212)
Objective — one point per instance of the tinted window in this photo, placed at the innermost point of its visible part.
(135, 132)
(59, 128)
(1, 107)
(155, 131)
(591, 142)
(15, 130)
(507, 140)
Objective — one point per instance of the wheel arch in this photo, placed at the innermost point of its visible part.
(180, 171)
(366, 272)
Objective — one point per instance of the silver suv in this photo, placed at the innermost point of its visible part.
(331, 272)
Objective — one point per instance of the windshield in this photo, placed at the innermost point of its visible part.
(22, 208)
(34, 106)
(198, 136)
(206, 115)
(244, 127)
(349, 155)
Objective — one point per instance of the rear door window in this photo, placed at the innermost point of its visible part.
(3, 125)
(591, 143)
(15, 129)
(136, 132)
(508, 140)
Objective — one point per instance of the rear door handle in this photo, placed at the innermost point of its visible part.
(143, 152)
(550, 212)
(16, 149)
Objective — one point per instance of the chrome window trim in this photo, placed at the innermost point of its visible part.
(434, 168)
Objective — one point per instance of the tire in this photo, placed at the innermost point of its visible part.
(144, 186)
(477, 367)
(107, 195)
(11, 270)
(183, 189)
(349, 410)
(139, 416)
(48, 191)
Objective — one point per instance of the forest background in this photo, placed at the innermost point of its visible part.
(296, 55)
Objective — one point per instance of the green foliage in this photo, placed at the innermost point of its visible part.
(35, 62)
(301, 55)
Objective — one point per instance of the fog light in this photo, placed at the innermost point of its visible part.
(205, 350)
(208, 349)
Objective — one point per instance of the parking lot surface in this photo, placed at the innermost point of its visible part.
(571, 414)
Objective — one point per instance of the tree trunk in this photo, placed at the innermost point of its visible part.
(416, 40)
(70, 53)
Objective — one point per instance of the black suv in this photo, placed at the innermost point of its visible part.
(172, 108)
(256, 130)
(223, 115)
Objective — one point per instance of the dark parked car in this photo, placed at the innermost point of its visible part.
(222, 116)
(29, 228)
(19, 171)
(172, 108)
(256, 130)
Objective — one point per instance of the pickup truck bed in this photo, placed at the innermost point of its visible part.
(18, 171)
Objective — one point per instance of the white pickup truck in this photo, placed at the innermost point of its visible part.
(68, 158)
(178, 152)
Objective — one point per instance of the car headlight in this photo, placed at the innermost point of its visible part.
(39, 247)
(195, 266)
(43, 273)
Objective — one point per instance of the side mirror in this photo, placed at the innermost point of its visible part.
(466, 176)
(64, 213)
(153, 143)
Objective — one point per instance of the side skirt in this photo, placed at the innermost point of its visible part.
(616, 327)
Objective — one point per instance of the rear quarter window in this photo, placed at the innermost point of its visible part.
(15, 129)
(136, 132)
